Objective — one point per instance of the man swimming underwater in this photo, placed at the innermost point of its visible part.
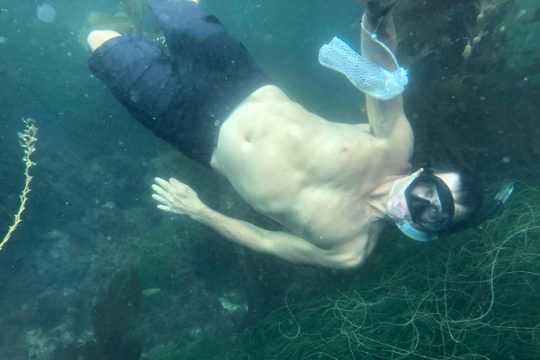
(329, 184)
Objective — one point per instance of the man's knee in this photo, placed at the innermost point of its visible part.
(97, 38)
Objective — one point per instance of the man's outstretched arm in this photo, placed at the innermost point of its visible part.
(386, 117)
(176, 197)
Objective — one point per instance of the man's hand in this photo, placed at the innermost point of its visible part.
(176, 197)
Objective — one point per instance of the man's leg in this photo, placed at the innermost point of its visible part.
(183, 97)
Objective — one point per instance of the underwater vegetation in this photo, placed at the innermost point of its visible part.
(474, 296)
(94, 272)
(28, 139)
(475, 69)
(113, 320)
(194, 348)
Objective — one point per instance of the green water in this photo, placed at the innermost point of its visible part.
(96, 272)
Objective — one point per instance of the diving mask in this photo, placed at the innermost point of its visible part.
(421, 207)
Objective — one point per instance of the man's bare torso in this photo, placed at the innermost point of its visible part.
(326, 182)
(313, 176)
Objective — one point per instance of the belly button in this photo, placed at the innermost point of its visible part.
(247, 143)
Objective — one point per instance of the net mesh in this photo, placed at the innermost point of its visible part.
(365, 75)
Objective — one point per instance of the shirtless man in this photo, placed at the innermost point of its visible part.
(329, 184)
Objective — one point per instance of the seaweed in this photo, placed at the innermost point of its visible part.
(474, 296)
(113, 321)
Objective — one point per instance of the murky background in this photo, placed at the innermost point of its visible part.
(96, 272)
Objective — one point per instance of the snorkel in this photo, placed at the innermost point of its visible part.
(489, 212)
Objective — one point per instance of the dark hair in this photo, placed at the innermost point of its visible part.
(469, 196)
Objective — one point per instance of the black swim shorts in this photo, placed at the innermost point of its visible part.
(184, 94)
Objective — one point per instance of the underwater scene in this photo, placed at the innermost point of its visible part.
(99, 260)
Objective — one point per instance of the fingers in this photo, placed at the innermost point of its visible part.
(164, 205)
(175, 182)
(163, 192)
(159, 198)
(161, 182)
(168, 189)
(164, 208)
(176, 197)
(178, 187)
(168, 185)
(170, 194)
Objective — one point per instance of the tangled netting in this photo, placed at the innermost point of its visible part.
(367, 76)
(475, 295)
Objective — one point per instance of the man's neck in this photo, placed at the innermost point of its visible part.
(392, 185)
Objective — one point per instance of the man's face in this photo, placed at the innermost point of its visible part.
(430, 200)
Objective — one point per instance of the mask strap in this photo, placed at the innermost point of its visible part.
(492, 209)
